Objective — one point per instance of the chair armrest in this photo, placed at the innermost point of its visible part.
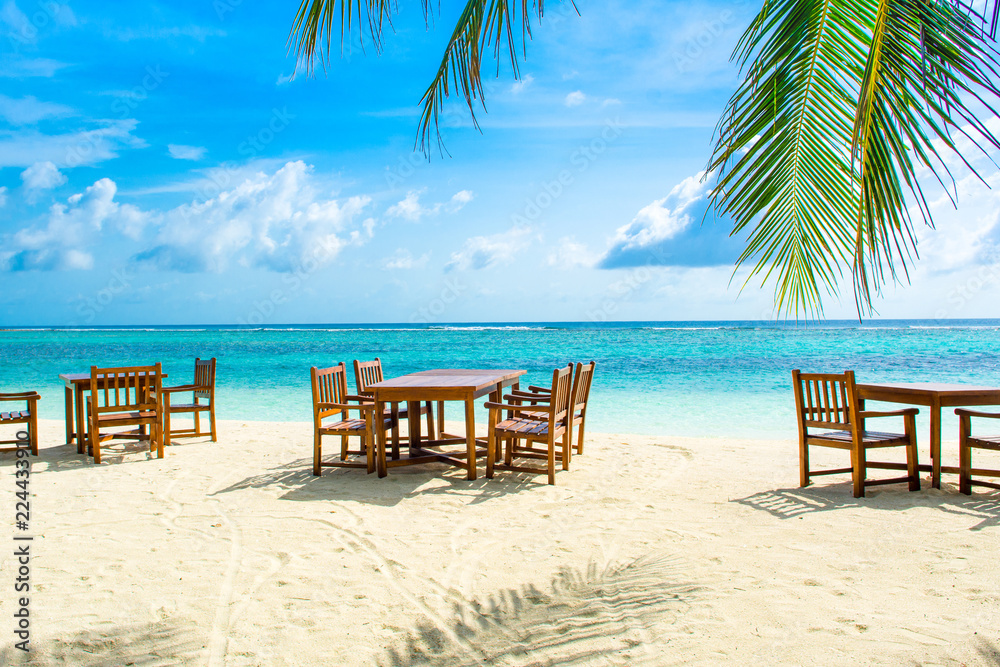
(363, 407)
(183, 387)
(520, 408)
(867, 414)
(540, 390)
(20, 396)
(360, 399)
(521, 396)
(962, 412)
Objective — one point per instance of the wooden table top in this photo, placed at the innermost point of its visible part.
(451, 378)
(928, 388)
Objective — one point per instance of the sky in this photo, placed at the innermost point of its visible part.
(160, 164)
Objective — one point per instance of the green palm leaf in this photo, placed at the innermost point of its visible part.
(820, 147)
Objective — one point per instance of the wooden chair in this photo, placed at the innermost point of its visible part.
(966, 443)
(27, 416)
(125, 396)
(582, 379)
(203, 387)
(367, 373)
(330, 398)
(556, 427)
(830, 401)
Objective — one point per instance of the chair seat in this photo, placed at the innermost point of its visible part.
(11, 416)
(990, 441)
(868, 437)
(126, 416)
(527, 427)
(189, 406)
(350, 426)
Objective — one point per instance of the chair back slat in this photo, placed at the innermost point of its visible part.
(581, 385)
(367, 373)
(329, 385)
(560, 395)
(204, 376)
(825, 400)
(125, 388)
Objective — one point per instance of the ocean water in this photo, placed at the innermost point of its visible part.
(670, 378)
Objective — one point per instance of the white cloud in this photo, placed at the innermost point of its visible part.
(196, 32)
(611, 101)
(25, 148)
(403, 259)
(30, 67)
(411, 209)
(667, 217)
(28, 110)
(570, 255)
(279, 222)
(42, 176)
(519, 86)
(3, 196)
(182, 152)
(482, 252)
(575, 99)
(460, 199)
(70, 229)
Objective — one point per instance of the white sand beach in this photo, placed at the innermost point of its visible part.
(649, 551)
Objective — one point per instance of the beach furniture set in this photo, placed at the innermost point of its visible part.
(836, 404)
(533, 424)
(134, 396)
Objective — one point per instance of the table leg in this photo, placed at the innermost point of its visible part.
(380, 438)
(69, 416)
(936, 444)
(470, 435)
(440, 410)
(413, 424)
(81, 431)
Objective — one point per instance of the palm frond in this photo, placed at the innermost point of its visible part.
(825, 173)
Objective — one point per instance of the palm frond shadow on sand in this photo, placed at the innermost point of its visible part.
(622, 610)
(149, 644)
(794, 502)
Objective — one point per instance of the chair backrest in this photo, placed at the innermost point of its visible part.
(125, 388)
(825, 400)
(204, 376)
(560, 394)
(367, 373)
(581, 386)
(329, 385)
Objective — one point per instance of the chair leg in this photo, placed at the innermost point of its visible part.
(33, 432)
(156, 431)
(197, 423)
(166, 420)
(859, 471)
(491, 449)
(343, 448)
(552, 458)
(368, 446)
(211, 420)
(579, 442)
(317, 451)
(912, 454)
(567, 449)
(964, 456)
(804, 463)
(95, 442)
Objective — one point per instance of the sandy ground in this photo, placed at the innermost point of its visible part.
(649, 551)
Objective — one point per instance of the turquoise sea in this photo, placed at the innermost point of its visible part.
(671, 378)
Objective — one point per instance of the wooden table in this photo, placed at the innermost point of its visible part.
(444, 384)
(77, 384)
(935, 396)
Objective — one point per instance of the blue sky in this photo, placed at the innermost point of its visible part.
(159, 165)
